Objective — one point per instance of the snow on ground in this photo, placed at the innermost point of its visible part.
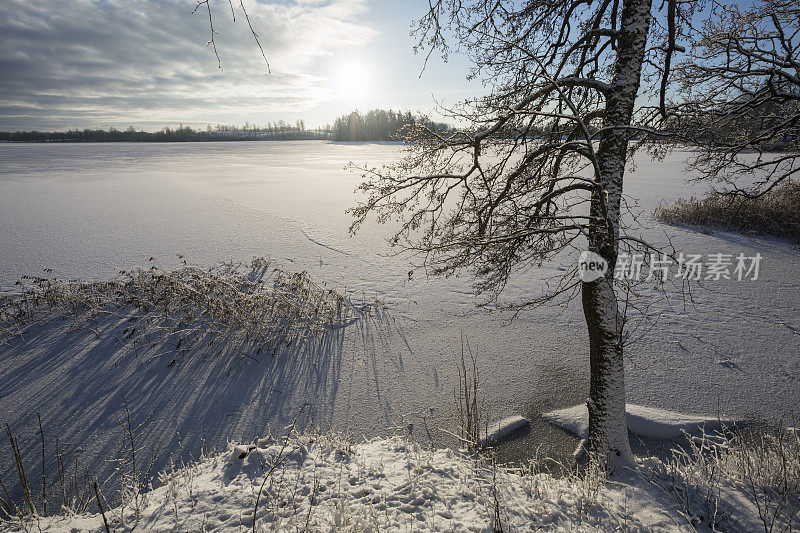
(329, 484)
(644, 421)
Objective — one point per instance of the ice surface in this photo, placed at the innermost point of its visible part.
(88, 210)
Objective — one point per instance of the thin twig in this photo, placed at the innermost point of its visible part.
(100, 505)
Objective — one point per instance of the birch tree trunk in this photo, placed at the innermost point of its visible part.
(608, 445)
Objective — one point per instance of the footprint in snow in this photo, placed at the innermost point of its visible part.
(727, 363)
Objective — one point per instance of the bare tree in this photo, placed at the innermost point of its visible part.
(213, 33)
(740, 100)
(538, 167)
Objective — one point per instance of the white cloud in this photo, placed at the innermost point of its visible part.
(88, 63)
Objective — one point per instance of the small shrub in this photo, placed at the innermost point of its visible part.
(776, 213)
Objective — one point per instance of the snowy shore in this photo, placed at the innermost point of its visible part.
(329, 483)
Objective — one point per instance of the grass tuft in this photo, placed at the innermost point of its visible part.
(187, 306)
(776, 213)
(761, 462)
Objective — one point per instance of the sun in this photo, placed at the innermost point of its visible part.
(351, 81)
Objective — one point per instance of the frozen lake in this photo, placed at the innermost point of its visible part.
(88, 210)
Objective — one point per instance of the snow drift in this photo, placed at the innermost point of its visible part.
(328, 483)
(644, 421)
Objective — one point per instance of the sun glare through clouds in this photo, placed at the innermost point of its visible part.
(351, 81)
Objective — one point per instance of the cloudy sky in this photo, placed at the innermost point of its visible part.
(104, 63)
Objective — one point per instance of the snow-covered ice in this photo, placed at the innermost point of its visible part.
(88, 210)
(643, 421)
(501, 429)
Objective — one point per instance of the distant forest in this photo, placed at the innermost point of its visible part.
(279, 131)
(378, 125)
(375, 125)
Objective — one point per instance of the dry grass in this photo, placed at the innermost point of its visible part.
(472, 418)
(761, 461)
(71, 492)
(777, 213)
(187, 306)
(320, 482)
(188, 310)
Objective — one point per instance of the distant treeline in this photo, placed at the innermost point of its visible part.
(375, 125)
(279, 131)
(378, 125)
